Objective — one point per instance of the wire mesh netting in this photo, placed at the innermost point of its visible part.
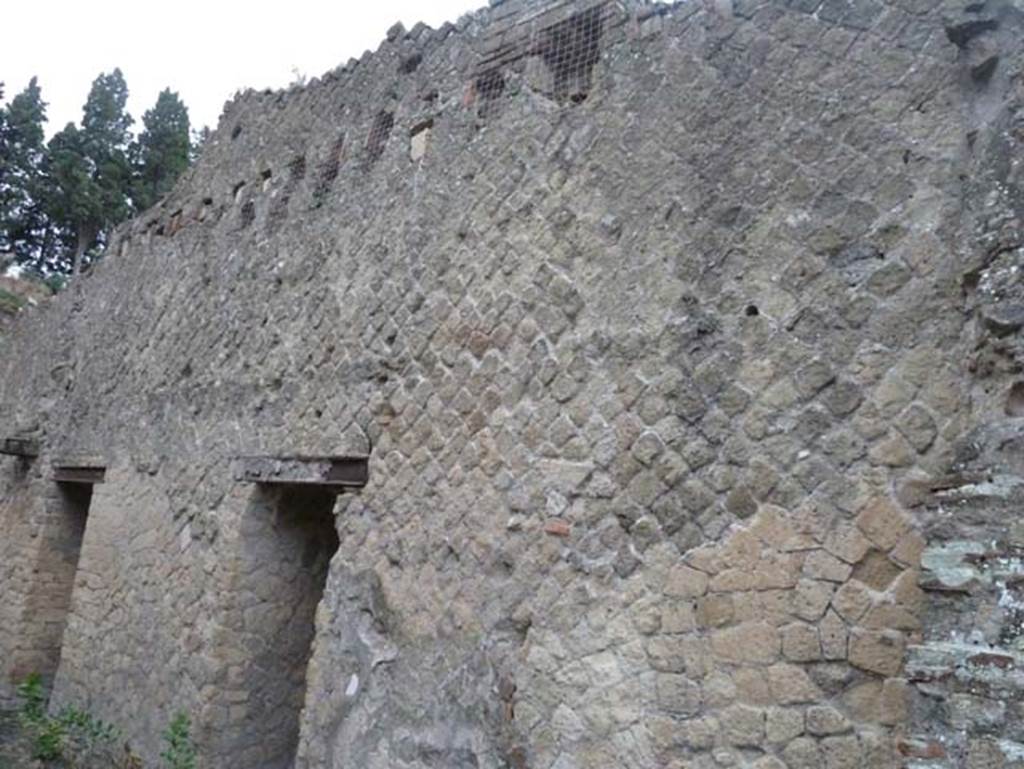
(328, 170)
(380, 132)
(279, 208)
(570, 50)
(489, 87)
(556, 49)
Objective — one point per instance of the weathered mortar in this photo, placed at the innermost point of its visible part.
(664, 358)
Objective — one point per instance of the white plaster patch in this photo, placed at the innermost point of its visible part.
(353, 686)
(185, 538)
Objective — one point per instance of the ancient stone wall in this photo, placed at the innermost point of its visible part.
(685, 345)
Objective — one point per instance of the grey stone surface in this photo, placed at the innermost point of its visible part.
(672, 356)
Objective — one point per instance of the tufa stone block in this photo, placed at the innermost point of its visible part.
(877, 651)
(883, 523)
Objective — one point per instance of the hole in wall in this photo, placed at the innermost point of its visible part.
(236, 131)
(571, 49)
(410, 63)
(279, 207)
(1015, 400)
(489, 88)
(328, 171)
(380, 132)
(419, 128)
(297, 168)
(419, 139)
(247, 215)
(751, 311)
(290, 538)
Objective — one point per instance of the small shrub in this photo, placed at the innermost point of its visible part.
(46, 734)
(47, 739)
(56, 282)
(11, 303)
(181, 751)
(33, 699)
(73, 736)
(75, 739)
(86, 740)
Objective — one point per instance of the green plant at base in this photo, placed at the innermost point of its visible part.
(11, 303)
(47, 739)
(73, 735)
(75, 739)
(87, 741)
(47, 733)
(180, 752)
(33, 699)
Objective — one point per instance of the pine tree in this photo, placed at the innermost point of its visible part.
(89, 171)
(23, 222)
(161, 153)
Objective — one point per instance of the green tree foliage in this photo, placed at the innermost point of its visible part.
(71, 200)
(59, 200)
(3, 138)
(161, 153)
(23, 221)
(100, 199)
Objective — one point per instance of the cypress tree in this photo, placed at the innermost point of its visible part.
(23, 221)
(89, 170)
(161, 153)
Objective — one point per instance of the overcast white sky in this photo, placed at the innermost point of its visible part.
(203, 49)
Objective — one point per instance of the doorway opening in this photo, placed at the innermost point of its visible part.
(49, 601)
(289, 540)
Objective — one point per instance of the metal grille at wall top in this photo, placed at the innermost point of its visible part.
(555, 47)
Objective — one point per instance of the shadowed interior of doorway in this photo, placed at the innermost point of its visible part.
(289, 538)
(50, 599)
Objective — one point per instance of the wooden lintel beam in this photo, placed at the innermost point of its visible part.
(340, 472)
(79, 469)
(89, 475)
